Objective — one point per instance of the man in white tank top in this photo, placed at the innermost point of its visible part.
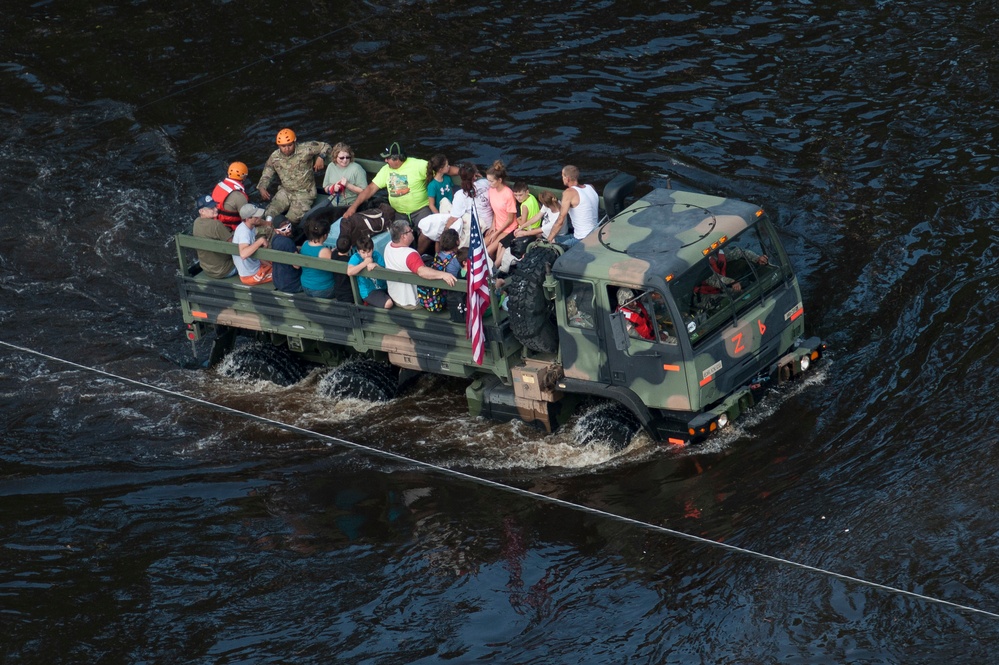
(581, 203)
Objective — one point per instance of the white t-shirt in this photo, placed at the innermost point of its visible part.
(483, 211)
(245, 235)
(548, 221)
(395, 259)
(585, 215)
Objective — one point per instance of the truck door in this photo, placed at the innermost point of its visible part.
(580, 334)
(650, 363)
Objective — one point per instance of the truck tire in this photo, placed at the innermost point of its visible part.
(364, 379)
(267, 362)
(608, 423)
(532, 314)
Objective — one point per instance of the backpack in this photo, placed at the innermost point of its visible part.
(432, 298)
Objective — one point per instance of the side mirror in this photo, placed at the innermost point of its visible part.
(619, 331)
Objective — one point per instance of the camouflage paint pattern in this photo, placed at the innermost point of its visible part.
(667, 384)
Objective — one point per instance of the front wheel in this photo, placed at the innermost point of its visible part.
(607, 423)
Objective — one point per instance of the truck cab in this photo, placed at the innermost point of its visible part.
(717, 306)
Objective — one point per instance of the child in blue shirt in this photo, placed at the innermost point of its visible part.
(373, 292)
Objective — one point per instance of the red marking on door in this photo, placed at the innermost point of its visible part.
(739, 346)
(763, 328)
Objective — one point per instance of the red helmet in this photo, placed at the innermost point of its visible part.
(238, 170)
(285, 137)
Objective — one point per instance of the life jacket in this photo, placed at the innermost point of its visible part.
(219, 194)
(636, 315)
(719, 264)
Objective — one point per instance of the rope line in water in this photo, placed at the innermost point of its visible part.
(501, 486)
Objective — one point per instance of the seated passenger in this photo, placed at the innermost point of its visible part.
(719, 279)
(315, 282)
(372, 291)
(457, 218)
(581, 204)
(342, 290)
(528, 216)
(544, 220)
(214, 264)
(639, 323)
(448, 254)
(403, 258)
(229, 195)
(287, 278)
(504, 206)
(251, 271)
(439, 190)
(345, 178)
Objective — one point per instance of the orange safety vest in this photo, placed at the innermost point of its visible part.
(219, 194)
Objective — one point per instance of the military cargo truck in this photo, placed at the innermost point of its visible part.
(723, 321)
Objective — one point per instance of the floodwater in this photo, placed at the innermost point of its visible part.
(140, 526)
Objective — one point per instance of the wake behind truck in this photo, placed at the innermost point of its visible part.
(724, 314)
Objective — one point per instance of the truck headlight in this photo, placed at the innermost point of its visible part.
(805, 362)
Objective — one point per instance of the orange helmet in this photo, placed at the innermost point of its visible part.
(285, 137)
(238, 170)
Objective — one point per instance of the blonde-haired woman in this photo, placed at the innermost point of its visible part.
(345, 178)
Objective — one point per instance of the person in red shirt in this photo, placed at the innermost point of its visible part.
(634, 313)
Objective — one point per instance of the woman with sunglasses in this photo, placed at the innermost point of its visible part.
(345, 178)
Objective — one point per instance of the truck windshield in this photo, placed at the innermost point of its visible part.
(729, 281)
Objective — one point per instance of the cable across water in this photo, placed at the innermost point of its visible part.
(646, 526)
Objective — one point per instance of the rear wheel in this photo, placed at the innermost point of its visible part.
(362, 378)
(262, 361)
(607, 423)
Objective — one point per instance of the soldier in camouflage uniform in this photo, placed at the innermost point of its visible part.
(294, 164)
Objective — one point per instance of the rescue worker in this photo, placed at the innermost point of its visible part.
(230, 195)
(294, 164)
(634, 313)
(719, 278)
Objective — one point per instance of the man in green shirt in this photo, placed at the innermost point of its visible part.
(214, 264)
(405, 180)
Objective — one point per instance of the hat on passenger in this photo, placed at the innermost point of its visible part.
(624, 294)
(394, 150)
(249, 210)
(205, 201)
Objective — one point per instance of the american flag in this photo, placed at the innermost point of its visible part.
(478, 291)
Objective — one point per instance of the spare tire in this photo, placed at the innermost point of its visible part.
(532, 313)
